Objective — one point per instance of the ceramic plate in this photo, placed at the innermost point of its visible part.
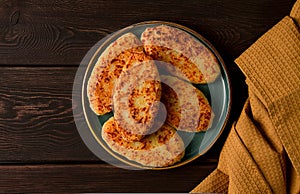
(218, 94)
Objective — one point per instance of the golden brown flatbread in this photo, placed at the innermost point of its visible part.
(136, 95)
(107, 70)
(187, 107)
(187, 57)
(162, 148)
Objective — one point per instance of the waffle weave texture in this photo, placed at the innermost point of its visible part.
(262, 151)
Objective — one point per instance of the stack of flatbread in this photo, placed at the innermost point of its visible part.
(126, 80)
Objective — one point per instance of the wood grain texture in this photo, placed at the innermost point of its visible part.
(61, 32)
(36, 120)
(98, 178)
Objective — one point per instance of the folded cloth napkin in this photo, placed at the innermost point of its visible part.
(262, 151)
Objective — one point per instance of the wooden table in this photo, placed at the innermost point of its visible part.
(41, 46)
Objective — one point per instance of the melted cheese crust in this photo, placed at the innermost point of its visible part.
(189, 58)
(187, 107)
(162, 148)
(107, 70)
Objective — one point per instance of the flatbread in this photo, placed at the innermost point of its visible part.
(162, 148)
(189, 59)
(136, 95)
(187, 107)
(107, 70)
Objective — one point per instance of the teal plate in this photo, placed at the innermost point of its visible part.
(218, 93)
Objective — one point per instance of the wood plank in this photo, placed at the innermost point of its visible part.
(98, 178)
(61, 32)
(36, 119)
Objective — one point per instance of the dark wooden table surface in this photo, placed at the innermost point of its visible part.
(41, 46)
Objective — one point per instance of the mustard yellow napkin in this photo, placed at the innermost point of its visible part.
(262, 151)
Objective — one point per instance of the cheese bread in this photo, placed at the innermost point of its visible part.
(189, 59)
(136, 95)
(187, 107)
(162, 148)
(107, 70)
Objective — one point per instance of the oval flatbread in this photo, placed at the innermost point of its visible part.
(107, 70)
(136, 95)
(187, 107)
(189, 58)
(162, 148)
